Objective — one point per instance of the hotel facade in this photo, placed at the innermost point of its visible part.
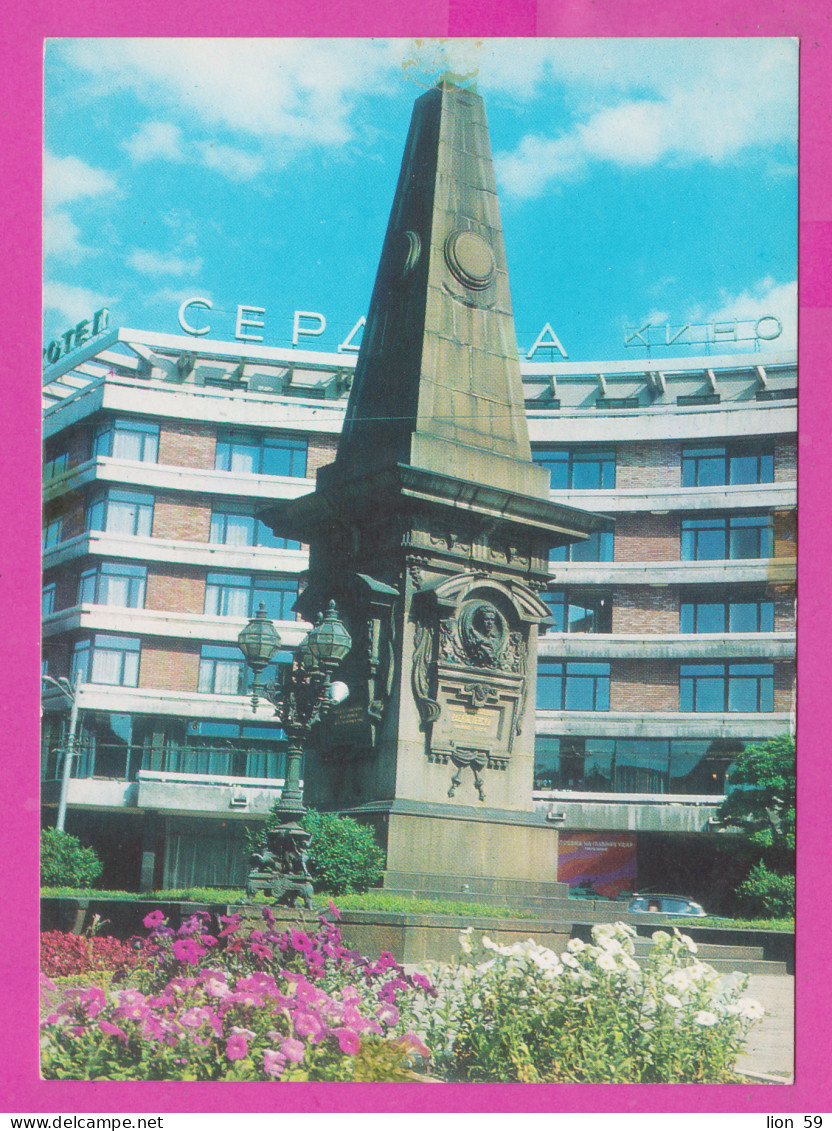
(672, 638)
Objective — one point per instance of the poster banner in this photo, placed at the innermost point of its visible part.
(598, 863)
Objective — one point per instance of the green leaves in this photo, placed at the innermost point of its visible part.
(761, 801)
(64, 863)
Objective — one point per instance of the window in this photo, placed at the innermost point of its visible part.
(598, 547)
(127, 439)
(578, 612)
(56, 466)
(221, 671)
(47, 600)
(573, 686)
(726, 687)
(241, 527)
(113, 583)
(715, 465)
(726, 613)
(52, 530)
(581, 469)
(732, 536)
(122, 512)
(633, 765)
(261, 455)
(107, 659)
(240, 594)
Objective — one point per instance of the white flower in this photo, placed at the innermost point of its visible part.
(465, 940)
(752, 1010)
(705, 1017)
(488, 944)
(569, 960)
(661, 938)
(677, 980)
(689, 943)
(672, 1001)
(575, 946)
(629, 963)
(607, 962)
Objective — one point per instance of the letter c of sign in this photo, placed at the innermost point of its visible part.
(206, 302)
(768, 337)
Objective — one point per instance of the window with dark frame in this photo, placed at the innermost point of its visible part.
(240, 595)
(251, 454)
(578, 611)
(578, 469)
(726, 687)
(127, 439)
(122, 512)
(573, 686)
(703, 612)
(727, 537)
(107, 659)
(121, 584)
(598, 547)
(240, 526)
(719, 465)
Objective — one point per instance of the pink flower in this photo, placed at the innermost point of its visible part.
(348, 1040)
(112, 1030)
(302, 942)
(423, 983)
(388, 1013)
(154, 919)
(416, 1044)
(273, 1062)
(308, 1025)
(236, 1047)
(232, 924)
(334, 910)
(268, 915)
(293, 1050)
(261, 951)
(188, 950)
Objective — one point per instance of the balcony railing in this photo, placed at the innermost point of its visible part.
(123, 763)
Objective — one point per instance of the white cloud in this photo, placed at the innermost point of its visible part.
(237, 164)
(762, 298)
(156, 140)
(66, 179)
(300, 90)
(640, 102)
(60, 235)
(151, 263)
(72, 303)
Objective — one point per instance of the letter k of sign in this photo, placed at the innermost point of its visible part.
(631, 335)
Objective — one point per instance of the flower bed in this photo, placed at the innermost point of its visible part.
(282, 1005)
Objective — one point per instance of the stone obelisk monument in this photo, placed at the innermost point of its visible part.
(431, 531)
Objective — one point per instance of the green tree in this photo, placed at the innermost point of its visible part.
(65, 863)
(761, 797)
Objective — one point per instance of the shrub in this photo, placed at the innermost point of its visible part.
(590, 1015)
(65, 863)
(235, 1005)
(343, 855)
(62, 955)
(766, 893)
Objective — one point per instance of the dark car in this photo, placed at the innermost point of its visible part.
(651, 904)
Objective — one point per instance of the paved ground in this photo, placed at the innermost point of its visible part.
(770, 1049)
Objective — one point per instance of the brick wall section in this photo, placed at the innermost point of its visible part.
(644, 685)
(321, 451)
(642, 609)
(174, 666)
(182, 444)
(783, 687)
(184, 517)
(785, 533)
(784, 608)
(656, 464)
(785, 459)
(175, 589)
(647, 538)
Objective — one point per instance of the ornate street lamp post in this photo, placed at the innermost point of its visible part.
(306, 691)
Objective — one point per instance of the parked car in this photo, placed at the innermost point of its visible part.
(652, 904)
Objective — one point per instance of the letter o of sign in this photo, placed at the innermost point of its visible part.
(768, 337)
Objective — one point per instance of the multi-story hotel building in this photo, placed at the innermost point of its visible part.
(672, 640)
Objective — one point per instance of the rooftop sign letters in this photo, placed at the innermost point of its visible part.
(77, 336)
(251, 321)
(763, 329)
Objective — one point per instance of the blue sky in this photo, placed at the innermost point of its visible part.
(640, 180)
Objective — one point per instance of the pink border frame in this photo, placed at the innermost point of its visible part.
(20, 74)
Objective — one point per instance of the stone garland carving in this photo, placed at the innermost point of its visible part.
(465, 757)
(429, 709)
(384, 675)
